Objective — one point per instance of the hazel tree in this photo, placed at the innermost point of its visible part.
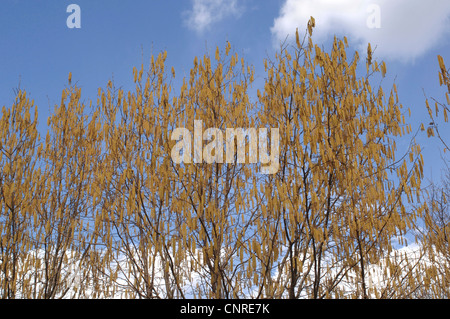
(341, 194)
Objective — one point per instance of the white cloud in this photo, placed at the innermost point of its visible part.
(408, 28)
(204, 13)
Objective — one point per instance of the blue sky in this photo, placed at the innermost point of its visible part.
(39, 50)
